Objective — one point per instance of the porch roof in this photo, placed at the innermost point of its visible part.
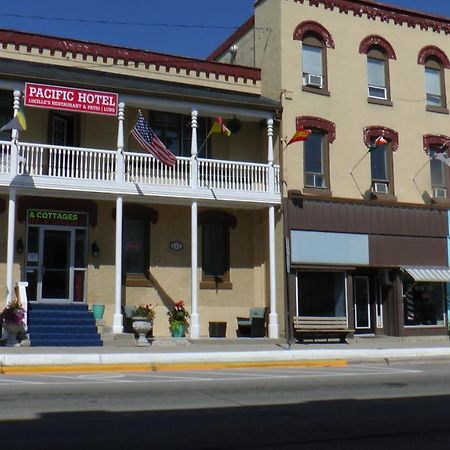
(123, 84)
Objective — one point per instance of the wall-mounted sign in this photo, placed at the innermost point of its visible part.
(64, 218)
(176, 245)
(70, 99)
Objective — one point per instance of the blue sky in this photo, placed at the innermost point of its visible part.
(149, 24)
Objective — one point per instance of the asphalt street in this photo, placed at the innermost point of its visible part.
(359, 406)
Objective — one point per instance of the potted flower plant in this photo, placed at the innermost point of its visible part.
(178, 319)
(142, 317)
(13, 320)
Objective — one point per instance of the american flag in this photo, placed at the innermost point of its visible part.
(149, 141)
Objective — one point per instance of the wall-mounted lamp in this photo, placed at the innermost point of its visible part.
(19, 246)
(95, 251)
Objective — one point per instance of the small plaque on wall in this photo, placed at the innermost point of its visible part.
(176, 245)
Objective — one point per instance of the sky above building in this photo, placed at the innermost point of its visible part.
(191, 28)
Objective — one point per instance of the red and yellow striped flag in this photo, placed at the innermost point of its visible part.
(300, 135)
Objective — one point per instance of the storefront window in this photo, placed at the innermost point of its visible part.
(321, 294)
(423, 303)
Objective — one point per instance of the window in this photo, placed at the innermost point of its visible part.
(434, 84)
(175, 132)
(423, 303)
(381, 169)
(136, 243)
(316, 160)
(216, 249)
(135, 246)
(315, 41)
(6, 113)
(436, 146)
(381, 159)
(435, 61)
(377, 75)
(378, 52)
(63, 129)
(439, 174)
(321, 294)
(313, 55)
(316, 172)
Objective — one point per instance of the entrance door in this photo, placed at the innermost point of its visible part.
(361, 294)
(56, 261)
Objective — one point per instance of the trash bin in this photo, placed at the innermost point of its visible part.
(217, 329)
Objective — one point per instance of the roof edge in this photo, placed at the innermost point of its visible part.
(246, 26)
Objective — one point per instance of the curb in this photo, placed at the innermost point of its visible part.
(160, 367)
(89, 362)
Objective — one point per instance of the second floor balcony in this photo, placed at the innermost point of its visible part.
(111, 171)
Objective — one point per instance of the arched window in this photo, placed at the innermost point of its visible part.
(435, 61)
(437, 148)
(381, 159)
(378, 52)
(316, 170)
(315, 40)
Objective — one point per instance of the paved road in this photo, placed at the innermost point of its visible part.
(356, 407)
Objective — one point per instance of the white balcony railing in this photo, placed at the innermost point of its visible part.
(86, 164)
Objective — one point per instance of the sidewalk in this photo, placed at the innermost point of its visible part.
(170, 354)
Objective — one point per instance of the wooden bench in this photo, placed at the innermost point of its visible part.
(325, 327)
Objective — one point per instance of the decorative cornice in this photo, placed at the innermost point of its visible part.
(317, 122)
(431, 51)
(430, 140)
(375, 131)
(386, 13)
(101, 52)
(375, 40)
(311, 26)
(244, 28)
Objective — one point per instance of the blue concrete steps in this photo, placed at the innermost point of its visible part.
(68, 325)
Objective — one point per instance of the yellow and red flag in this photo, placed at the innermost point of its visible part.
(219, 127)
(300, 135)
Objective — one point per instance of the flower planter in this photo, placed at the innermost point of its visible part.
(142, 326)
(177, 329)
(98, 311)
(13, 329)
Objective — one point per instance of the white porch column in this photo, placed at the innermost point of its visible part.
(117, 320)
(195, 322)
(120, 144)
(273, 316)
(10, 245)
(15, 136)
(270, 155)
(194, 150)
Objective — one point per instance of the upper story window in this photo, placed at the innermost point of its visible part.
(437, 148)
(378, 52)
(377, 75)
(316, 160)
(435, 61)
(175, 132)
(313, 63)
(316, 171)
(315, 41)
(381, 160)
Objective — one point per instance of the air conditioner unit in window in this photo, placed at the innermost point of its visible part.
(440, 193)
(314, 80)
(380, 188)
(377, 92)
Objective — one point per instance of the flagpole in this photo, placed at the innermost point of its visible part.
(353, 168)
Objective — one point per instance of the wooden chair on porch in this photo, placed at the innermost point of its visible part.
(254, 325)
